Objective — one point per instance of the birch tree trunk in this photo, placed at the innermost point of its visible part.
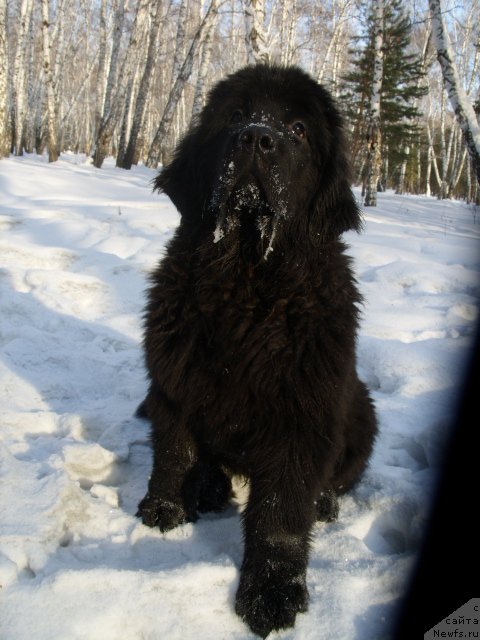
(428, 171)
(459, 101)
(433, 160)
(52, 145)
(180, 38)
(19, 75)
(125, 125)
(202, 78)
(403, 170)
(457, 170)
(133, 61)
(109, 119)
(287, 30)
(157, 147)
(102, 60)
(255, 32)
(5, 141)
(144, 87)
(374, 134)
(31, 78)
(341, 14)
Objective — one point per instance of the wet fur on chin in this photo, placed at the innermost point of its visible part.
(250, 331)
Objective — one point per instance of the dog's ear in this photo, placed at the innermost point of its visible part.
(334, 209)
(181, 178)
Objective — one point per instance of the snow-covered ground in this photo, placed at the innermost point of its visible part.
(76, 246)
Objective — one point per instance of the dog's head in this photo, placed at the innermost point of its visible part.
(267, 153)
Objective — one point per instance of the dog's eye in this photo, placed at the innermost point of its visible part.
(299, 130)
(237, 117)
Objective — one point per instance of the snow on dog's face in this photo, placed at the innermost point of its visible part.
(265, 160)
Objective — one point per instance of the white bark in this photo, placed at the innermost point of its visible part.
(157, 148)
(341, 15)
(457, 170)
(47, 70)
(288, 25)
(443, 153)
(102, 63)
(180, 39)
(202, 78)
(428, 171)
(139, 113)
(133, 64)
(403, 171)
(63, 10)
(374, 131)
(32, 82)
(4, 119)
(459, 100)
(19, 74)
(108, 120)
(255, 32)
(433, 159)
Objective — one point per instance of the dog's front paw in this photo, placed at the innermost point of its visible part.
(158, 512)
(270, 604)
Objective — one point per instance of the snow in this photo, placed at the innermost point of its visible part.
(76, 247)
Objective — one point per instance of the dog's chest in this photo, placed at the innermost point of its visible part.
(251, 331)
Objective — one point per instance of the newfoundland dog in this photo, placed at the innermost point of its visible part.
(250, 331)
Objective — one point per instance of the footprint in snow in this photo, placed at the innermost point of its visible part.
(407, 454)
(392, 532)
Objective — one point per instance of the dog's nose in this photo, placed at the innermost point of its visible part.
(258, 136)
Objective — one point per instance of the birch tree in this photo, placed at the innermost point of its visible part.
(157, 147)
(202, 75)
(255, 32)
(34, 80)
(288, 25)
(102, 63)
(47, 69)
(110, 112)
(143, 90)
(341, 16)
(4, 120)
(133, 61)
(459, 100)
(374, 136)
(19, 74)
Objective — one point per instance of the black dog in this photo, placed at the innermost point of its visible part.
(250, 331)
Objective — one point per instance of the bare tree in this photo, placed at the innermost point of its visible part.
(102, 88)
(288, 24)
(341, 16)
(157, 148)
(461, 105)
(202, 75)
(110, 113)
(47, 69)
(133, 62)
(19, 74)
(130, 153)
(4, 120)
(102, 64)
(255, 32)
(374, 134)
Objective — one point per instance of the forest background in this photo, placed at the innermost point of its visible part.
(124, 78)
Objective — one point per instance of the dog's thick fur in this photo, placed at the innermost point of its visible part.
(250, 331)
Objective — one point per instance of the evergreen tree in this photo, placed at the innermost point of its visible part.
(400, 89)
